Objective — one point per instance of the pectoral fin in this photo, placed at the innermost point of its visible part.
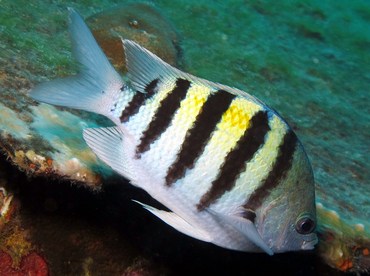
(177, 222)
(108, 144)
(246, 227)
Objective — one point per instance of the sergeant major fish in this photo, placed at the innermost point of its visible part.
(229, 168)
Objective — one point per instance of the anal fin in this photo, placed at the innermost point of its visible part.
(177, 222)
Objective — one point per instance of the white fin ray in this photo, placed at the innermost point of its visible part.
(177, 222)
(245, 227)
(143, 67)
(108, 144)
(95, 88)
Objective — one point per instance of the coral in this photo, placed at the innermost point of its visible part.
(7, 207)
(31, 265)
(141, 267)
(86, 266)
(15, 242)
(345, 247)
(6, 264)
(48, 145)
(34, 264)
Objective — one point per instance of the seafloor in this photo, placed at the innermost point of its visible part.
(309, 60)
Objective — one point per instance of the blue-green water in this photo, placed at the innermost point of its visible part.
(308, 60)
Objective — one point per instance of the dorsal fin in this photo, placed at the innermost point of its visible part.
(143, 67)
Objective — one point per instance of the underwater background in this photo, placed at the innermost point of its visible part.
(65, 213)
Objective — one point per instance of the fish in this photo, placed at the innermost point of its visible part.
(230, 170)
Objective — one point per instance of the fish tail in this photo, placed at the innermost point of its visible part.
(97, 86)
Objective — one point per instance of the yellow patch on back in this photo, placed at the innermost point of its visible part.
(232, 126)
(237, 118)
(234, 122)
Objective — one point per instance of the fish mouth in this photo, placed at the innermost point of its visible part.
(310, 242)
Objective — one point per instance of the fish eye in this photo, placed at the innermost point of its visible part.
(305, 224)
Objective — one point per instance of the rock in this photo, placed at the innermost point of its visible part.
(140, 22)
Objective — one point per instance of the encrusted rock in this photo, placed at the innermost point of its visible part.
(140, 22)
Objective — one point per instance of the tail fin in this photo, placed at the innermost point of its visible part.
(95, 88)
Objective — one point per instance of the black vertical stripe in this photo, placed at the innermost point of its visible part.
(138, 100)
(236, 160)
(279, 171)
(164, 115)
(197, 137)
